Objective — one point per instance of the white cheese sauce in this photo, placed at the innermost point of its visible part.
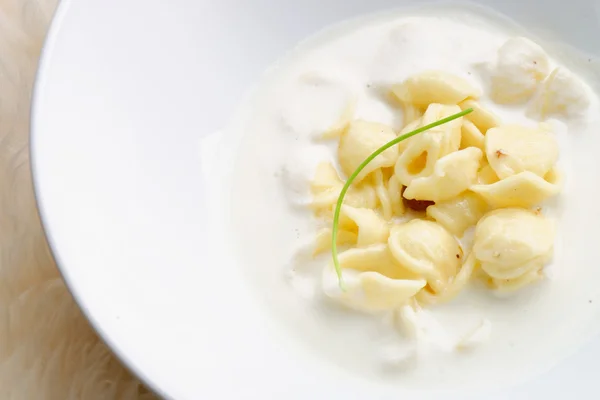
(521, 335)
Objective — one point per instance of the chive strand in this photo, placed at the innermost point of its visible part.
(351, 178)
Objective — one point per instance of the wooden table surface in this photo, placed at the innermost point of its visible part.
(47, 349)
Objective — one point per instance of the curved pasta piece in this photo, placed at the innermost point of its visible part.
(459, 213)
(383, 195)
(428, 250)
(363, 196)
(499, 270)
(323, 240)
(419, 154)
(325, 178)
(453, 174)
(521, 66)
(326, 187)
(471, 136)
(426, 297)
(359, 141)
(486, 175)
(450, 132)
(512, 149)
(411, 113)
(525, 189)
(435, 87)
(376, 258)
(374, 281)
(395, 195)
(481, 117)
(409, 127)
(366, 223)
(512, 285)
(563, 93)
(512, 242)
(371, 292)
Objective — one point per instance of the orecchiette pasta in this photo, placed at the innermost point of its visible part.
(435, 87)
(383, 194)
(451, 132)
(395, 195)
(411, 113)
(374, 280)
(453, 174)
(323, 240)
(420, 153)
(511, 285)
(426, 249)
(327, 185)
(486, 175)
(482, 118)
(366, 223)
(525, 189)
(512, 242)
(411, 126)
(521, 66)
(471, 136)
(512, 149)
(325, 178)
(472, 172)
(458, 213)
(454, 287)
(360, 140)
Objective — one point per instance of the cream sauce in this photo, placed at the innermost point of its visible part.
(304, 95)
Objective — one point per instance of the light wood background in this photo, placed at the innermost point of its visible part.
(47, 349)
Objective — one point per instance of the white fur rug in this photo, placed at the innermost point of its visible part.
(47, 349)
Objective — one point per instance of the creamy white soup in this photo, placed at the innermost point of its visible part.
(461, 247)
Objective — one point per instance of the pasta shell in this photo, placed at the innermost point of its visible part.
(426, 297)
(453, 174)
(395, 194)
(512, 149)
(419, 154)
(512, 285)
(486, 175)
(435, 87)
(459, 213)
(426, 249)
(511, 242)
(371, 292)
(359, 141)
(366, 223)
(326, 187)
(323, 240)
(525, 189)
(471, 136)
(383, 194)
(480, 116)
(373, 280)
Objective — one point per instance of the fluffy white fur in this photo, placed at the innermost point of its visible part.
(47, 349)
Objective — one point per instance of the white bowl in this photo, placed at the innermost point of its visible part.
(129, 94)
